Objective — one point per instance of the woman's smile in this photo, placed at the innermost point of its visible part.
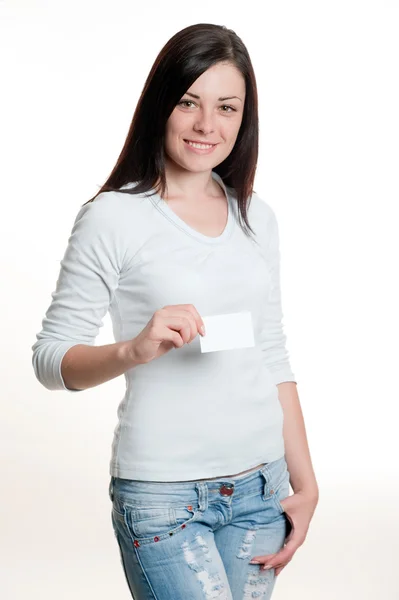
(199, 147)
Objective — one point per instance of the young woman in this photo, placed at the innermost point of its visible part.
(177, 236)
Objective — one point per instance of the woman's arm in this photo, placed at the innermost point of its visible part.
(87, 366)
(88, 278)
(297, 454)
(302, 477)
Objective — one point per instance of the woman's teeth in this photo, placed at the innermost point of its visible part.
(202, 146)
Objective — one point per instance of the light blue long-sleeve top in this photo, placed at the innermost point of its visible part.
(185, 415)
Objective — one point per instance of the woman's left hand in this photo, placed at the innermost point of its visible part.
(299, 508)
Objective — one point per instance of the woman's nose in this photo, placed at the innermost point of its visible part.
(204, 123)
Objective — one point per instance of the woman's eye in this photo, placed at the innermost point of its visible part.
(182, 102)
(224, 106)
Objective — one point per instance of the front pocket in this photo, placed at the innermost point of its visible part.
(150, 522)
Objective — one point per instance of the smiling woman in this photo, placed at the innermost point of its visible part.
(198, 469)
(206, 127)
(198, 112)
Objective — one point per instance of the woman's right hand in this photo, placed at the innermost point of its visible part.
(170, 327)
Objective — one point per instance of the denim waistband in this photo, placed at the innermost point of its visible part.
(263, 473)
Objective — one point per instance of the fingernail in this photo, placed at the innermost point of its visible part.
(268, 567)
(202, 329)
(255, 562)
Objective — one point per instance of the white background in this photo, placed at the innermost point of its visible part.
(327, 75)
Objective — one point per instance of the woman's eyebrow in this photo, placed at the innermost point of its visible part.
(219, 99)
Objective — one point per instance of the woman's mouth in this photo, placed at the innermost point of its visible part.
(199, 147)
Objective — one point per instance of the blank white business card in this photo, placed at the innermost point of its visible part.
(227, 332)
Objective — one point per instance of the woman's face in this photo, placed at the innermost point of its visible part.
(210, 112)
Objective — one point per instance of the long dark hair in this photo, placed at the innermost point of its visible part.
(187, 55)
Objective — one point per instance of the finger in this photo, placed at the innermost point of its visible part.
(173, 336)
(277, 566)
(281, 557)
(186, 315)
(195, 315)
(178, 324)
(195, 322)
(262, 559)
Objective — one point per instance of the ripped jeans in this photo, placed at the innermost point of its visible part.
(195, 540)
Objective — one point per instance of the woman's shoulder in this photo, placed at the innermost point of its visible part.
(110, 208)
(261, 211)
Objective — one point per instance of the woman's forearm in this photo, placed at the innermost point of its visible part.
(85, 366)
(297, 454)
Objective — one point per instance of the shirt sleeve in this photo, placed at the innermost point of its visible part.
(273, 338)
(88, 278)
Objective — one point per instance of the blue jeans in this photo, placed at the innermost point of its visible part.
(188, 540)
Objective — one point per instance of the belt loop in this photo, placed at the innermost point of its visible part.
(265, 470)
(202, 492)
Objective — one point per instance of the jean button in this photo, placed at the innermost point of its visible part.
(226, 489)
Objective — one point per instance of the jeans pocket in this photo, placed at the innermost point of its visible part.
(151, 521)
(153, 524)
